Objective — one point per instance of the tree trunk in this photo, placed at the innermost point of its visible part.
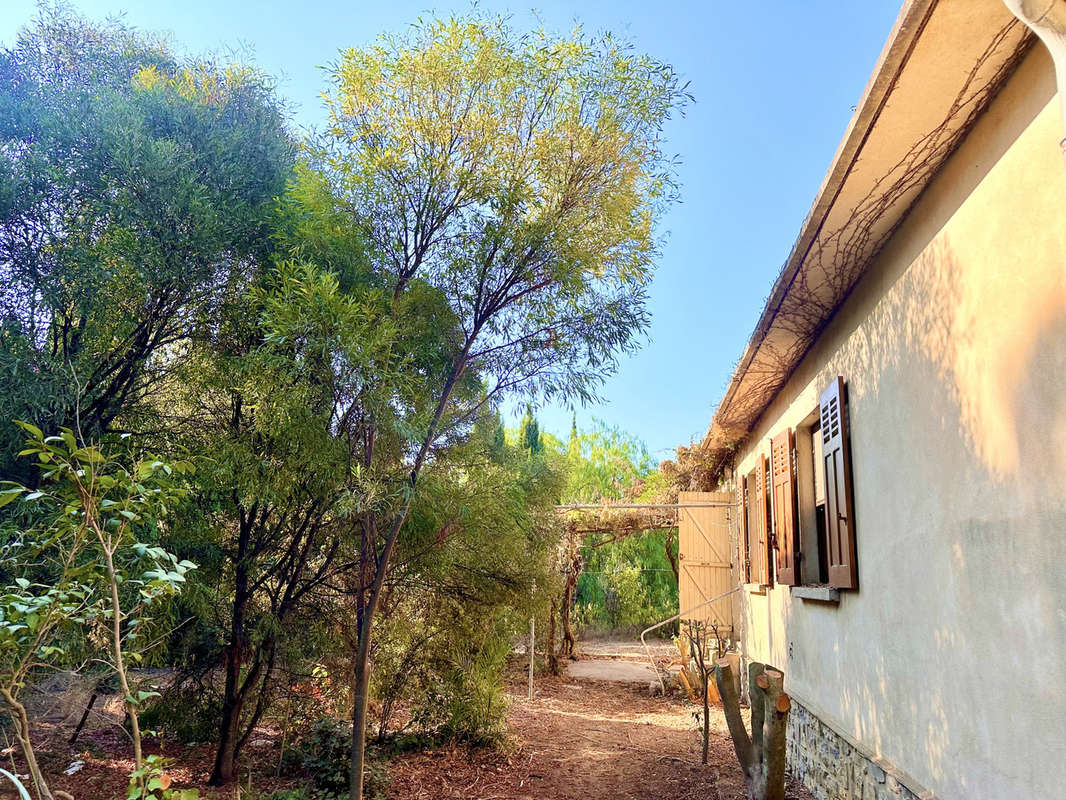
(120, 662)
(706, 716)
(224, 769)
(671, 556)
(762, 757)
(775, 714)
(564, 618)
(569, 588)
(18, 715)
(361, 667)
(225, 765)
(553, 657)
(360, 692)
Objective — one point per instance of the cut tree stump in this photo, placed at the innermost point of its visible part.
(762, 754)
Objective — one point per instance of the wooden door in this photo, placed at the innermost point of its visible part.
(703, 556)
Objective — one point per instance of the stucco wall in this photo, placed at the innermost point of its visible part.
(950, 659)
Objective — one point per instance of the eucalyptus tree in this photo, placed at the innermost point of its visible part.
(136, 191)
(508, 187)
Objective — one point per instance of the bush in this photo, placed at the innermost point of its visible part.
(184, 713)
(325, 755)
(460, 694)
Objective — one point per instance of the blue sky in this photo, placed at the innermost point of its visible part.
(775, 88)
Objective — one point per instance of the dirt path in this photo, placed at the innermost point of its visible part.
(579, 739)
(583, 740)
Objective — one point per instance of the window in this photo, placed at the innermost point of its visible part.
(811, 519)
(811, 501)
(755, 524)
(839, 506)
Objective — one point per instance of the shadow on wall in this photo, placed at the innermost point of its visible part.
(953, 655)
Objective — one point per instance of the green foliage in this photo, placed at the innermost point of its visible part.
(136, 193)
(520, 175)
(603, 463)
(151, 782)
(299, 793)
(325, 754)
(529, 438)
(476, 563)
(92, 519)
(85, 492)
(188, 714)
(629, 583)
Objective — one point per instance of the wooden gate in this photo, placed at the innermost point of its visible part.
(703, 556)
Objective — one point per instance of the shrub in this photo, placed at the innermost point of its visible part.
(184, 713)
(460, 695)
(325, 755)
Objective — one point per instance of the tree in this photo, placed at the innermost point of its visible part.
(529, 433)
(508, 187)
(136, 192)
(269, 402)
(474, 563)
(97, 512)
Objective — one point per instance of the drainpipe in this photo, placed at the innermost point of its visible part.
(1047, 19)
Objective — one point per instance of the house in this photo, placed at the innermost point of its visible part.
(895, 431)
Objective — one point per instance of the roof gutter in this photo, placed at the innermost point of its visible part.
(1047, 19)
(909, 25)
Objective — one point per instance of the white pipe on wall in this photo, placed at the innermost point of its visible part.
(1047, 19)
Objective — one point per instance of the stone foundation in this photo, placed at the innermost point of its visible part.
(835, 769)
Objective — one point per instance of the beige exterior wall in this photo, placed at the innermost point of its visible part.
(950, 660)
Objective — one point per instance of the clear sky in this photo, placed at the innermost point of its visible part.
(775, 85)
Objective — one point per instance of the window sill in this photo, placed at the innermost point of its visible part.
(755, 588)
(821, 594)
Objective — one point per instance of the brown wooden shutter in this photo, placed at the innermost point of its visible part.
(762, 572)
(839, 507)
(783, 491)
(743, 545)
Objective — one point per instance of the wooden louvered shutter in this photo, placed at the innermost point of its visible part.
(743, 545)
(761, 561)
(839, 507)
(783, 490)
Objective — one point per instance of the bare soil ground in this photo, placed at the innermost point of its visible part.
(584, 740)
(576, 740)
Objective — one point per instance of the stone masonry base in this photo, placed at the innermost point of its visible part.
(834, 769)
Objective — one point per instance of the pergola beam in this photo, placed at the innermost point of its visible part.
(635, 506)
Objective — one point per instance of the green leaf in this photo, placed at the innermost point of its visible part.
(8, 495)
(30, 428)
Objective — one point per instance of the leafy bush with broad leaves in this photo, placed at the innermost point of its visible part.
(151, 782)
(82, 567)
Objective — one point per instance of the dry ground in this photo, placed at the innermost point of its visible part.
(577, 740)
(584, 740)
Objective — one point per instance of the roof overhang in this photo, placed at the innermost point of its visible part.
(943, 62)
